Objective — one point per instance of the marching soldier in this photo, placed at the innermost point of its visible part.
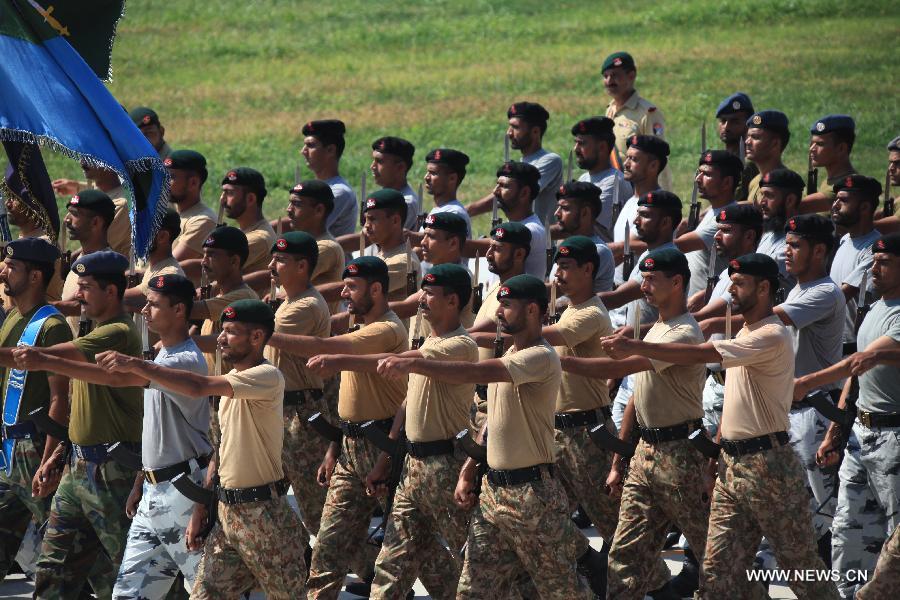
(392, 158)
(767, 137)
(28, 473)
(88, 505)
(147, 121)
(732, 114)
(831, 142)
(187, 174)
(780, 192)
(385, 213)
(577, 209)
(252, 540)
(243, 192)
(445, 170)
(889, 221)
(884, 583)
(159, 261)
(323, 146)
(758, 491)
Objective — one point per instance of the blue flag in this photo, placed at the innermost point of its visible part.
(50, 95)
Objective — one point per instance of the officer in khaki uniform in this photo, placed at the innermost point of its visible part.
(760, 488)
(632, 114)
(187, 170)
(303, 312)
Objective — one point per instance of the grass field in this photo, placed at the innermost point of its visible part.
(236, 79)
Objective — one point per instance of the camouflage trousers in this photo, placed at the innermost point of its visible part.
(808, 429)
(87, 527)
(252, 543)
(760, 494)
(886, 581)
(713, 399)
(868, 506)
(17, 507)
(301, 456)
(664, 487)
(424, 517)
(156, 549)
(520, 528)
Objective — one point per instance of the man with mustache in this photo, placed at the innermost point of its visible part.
(146, 119)
(779, 196)
(187, 172)
(577, 208)
(243, 192)
(732, 114)
(392, 158)
(831, 142)
(768, 135)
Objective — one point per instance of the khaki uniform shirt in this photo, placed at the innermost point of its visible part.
(582, 326)
(638, 117)
(760, 382)
(330, 265)
(196, 224)
(396, 260)
(119, 233)
(466, 319)
(306, 314)
(167, 266)
(260, 237)
(252, 428)
(436, 410)
(520, 414)
(670, 394)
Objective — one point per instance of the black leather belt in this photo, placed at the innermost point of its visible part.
(848, 348)
(870, 419)
(259, 493)
(156, 476)
(298, 397)
(657, 435)
(20, 431)
(518, 476)
(580, 418)
(756, 444)
(426, 449)
(97, 453)
(353, 429)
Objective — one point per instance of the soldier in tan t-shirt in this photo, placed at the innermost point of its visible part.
(187, 170)
(760, 490)
(385, 213)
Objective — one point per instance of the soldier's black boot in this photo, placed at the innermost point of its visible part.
(824, 544)
(592, 566)
(582, 521)
(307, 557)
(688, 580)
(361, 588)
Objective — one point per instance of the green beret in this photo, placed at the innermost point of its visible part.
(756, 264)
(662, 199)
(329, 131)
(402, 149)
(665, 259)
(580, 248)
(187, 160)
(103, 262)
(256, 312)
(618, 59)
(297, 242)
(783, 179)
(525, 174)
(32, 249)
(813, 227)
(651, 144)
(229, 238)
(175, 284)
(523, 287)
(454, 159)
(316, 190)
(248, 178)
(726, 162)
(833, 123)
(143, 116)
(96, 201)
(860, 184)
(448, 275)
(367, 267)
(581, 190)
(597, 126)
(531, 112)
(745, 215)
(889, 244)
(447, 221)
(512, 232)
(385, 199)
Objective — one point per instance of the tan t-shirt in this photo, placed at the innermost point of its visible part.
(582, 326)
(167, 266)
(436, 410)
(260, 237)
(252, 428)
(196, 224)
(670, 394)
(488, 312)
(520, 414)
(330, 265)
(119, 233)
(365, 396)
(759, 385)
(306, 314)
(396, 259)
(215, 306)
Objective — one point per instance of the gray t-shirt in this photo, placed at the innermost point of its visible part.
(345, 216)
(817, 310)
(853, 256)
(536, 263)
(413, 207)
(649, 314)
(176, 427)
(879, 387)
(606, 180)
(698, 260)
(772, 243)
(456, 207)
(551, 167)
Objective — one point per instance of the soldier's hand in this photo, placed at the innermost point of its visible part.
(28, 358)
(321, 365)
(65, 187)
(323, 475)
(828, 453)
(464, 495)
(710, 474)
(394, 366)
(800, 390)
(860, 362)
(46, 480)
(192, 536)
(113, 361)
(617, 346)
(376, 480)
(614, 479)
(134, 498)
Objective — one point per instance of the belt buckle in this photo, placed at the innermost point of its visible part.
(865, 418)
(150, 476)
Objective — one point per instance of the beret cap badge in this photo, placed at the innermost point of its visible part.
(281, 244)
(352, 269)
(504, 291)
(820, 126)
(648, 263)
(80, 268)
(735, 265)
(228, 312)
(757, 119)
(429, 278)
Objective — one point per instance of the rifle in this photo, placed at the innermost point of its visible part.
(362, 200)
(325, 429)
(131, 280)
(200, 495)
(694, 214)
(495, 218)
(125, 457)
(417, 339)
(569, 167)
(396, 449)
(812, 177)
(220, 218)
(742, 151)
(480, 388)
(628, 254)
(421, 218)
(711, 277)
(65, 258)
(701, 442)
(298, 174)
(550, 252)
(888, 201)
(84, 324)
(217, 368)
(601, 436)
(146, 351)
(273, 287)
(44, 422)
(205, 285)
(362, 242)
(411, 286)
(703, 137)
(728, 320)
(477, 288)
(617, 204)
(551, 307)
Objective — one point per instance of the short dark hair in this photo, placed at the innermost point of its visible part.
(176, 298)
(685, 277)
(46, 270)
(399, 210)
(107, 280)
(463, 293)
(845, 136)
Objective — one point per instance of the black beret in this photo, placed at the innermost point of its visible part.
(650, 144)
(396, 146)
(813, 227)
(737, 102)
(593, 126)
(662, 199)
(32, 249)
(447, 221)
(385, 198)
(512, 232)
(143, 116)
(247, 177)
(523, 287)
(449, 275)
(664, 259)
(525, 174)
(531, 112)
(328, 131)
(171, 220)
(618, 59)
(889, 244)
(894, 145)
(103, 262)
(366, 267)
(581, 190)
(769, 119)
(578, 247)
(745, 215)
(756, 264)
(178, 285)
(187, 160)
(860, 184)
(833, 123)
(725, 161)
(96, 201)
(782, 179)
(314, 189)
(256, 312)
(454, 159)
(230, 238)
(296, 242)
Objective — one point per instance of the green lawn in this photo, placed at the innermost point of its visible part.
(236, 79)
